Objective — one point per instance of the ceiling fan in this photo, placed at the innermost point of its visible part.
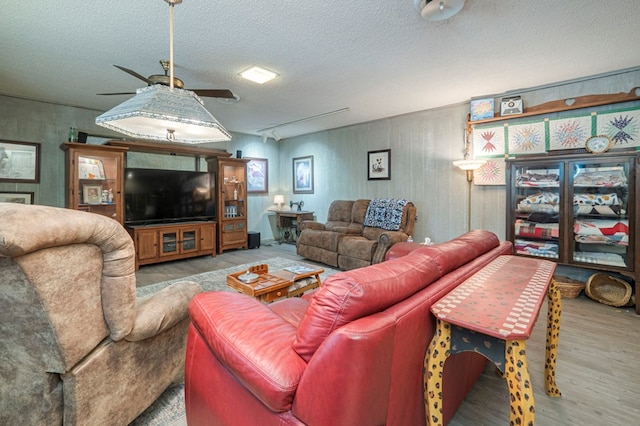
(165, 80)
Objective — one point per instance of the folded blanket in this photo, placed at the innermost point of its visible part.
(537, 248)
(536, 230)
(601, 227)
(385, 213)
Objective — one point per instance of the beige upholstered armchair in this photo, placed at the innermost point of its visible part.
(76, 345)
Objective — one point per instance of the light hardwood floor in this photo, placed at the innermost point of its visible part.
(598, 368)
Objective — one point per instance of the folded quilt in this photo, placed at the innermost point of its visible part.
(600, 176)
(539, 180)
(611, 259)
(601, 227)
(537, 248)
(524, 228)
(385, 213)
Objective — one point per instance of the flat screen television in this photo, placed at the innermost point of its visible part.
(167, 196)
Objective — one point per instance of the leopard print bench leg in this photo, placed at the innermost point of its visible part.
(437, 354)
(553, 333)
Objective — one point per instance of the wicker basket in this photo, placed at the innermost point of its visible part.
(569, 288)
(609, 290)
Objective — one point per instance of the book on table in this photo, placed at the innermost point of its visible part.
(299, 269)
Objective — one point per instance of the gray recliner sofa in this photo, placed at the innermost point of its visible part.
(347, 241)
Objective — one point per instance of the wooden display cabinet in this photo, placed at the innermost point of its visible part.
(164, 242)
(94, 179)
(231, 174)
(577, 209)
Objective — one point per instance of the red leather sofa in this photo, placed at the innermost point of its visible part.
(350, 353)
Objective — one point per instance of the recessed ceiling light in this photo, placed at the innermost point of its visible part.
(258, 74)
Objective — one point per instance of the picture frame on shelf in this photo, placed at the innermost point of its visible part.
(16, 197)
(258, 176)
(92, 194)
(19, 162)
(303, 175)
(511, 106)
(379, 165)
(480, 109)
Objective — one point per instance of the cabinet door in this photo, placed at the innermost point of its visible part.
(169, 243)
(94, 179)
(234, 232)
(600, 219)
(188, 240)
(535, 211)
(146, 244)
(208, 238)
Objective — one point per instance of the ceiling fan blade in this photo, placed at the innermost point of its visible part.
(135, 74)
(214, 93)
(121, 93)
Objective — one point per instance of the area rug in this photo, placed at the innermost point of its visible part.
(168, 409)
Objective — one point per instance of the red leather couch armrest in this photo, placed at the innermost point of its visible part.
(253, 342)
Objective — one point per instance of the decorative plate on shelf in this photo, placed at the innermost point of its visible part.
(598, 144)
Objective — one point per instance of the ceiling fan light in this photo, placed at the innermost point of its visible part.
(438, 10)
(258, 74)
(164, 114)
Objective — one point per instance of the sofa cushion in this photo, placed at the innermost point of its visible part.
(347, 296)
(466, 247)
(340, 211)
(252, 351)
(358, 247)
(320, 239)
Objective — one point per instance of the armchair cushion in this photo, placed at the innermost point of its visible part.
(162, 310)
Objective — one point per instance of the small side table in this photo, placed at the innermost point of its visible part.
(287, 222)
(493, 313)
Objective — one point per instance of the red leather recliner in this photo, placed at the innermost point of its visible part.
(350, 353)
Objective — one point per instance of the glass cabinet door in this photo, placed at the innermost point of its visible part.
(169, 243)
(600, 191)
(536, 209)
(234, 191)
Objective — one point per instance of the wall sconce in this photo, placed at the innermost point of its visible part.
(279, 201)
(468, 164)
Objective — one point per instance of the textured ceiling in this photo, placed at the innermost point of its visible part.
(378, 58)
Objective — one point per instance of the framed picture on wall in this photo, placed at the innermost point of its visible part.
(16, 197)
(379, 165)
(19, 162)
(258, 176)
(303, 175)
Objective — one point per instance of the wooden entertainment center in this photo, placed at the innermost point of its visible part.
(153, 242)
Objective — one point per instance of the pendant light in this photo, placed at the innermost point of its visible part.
(162, 113)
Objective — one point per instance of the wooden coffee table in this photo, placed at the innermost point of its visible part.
(288, 282)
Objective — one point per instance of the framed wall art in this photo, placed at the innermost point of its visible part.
(303, 175)
(258, 176)
(16, 197)
(19, 162)
(379, 165)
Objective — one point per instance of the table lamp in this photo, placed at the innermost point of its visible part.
(279, 200)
